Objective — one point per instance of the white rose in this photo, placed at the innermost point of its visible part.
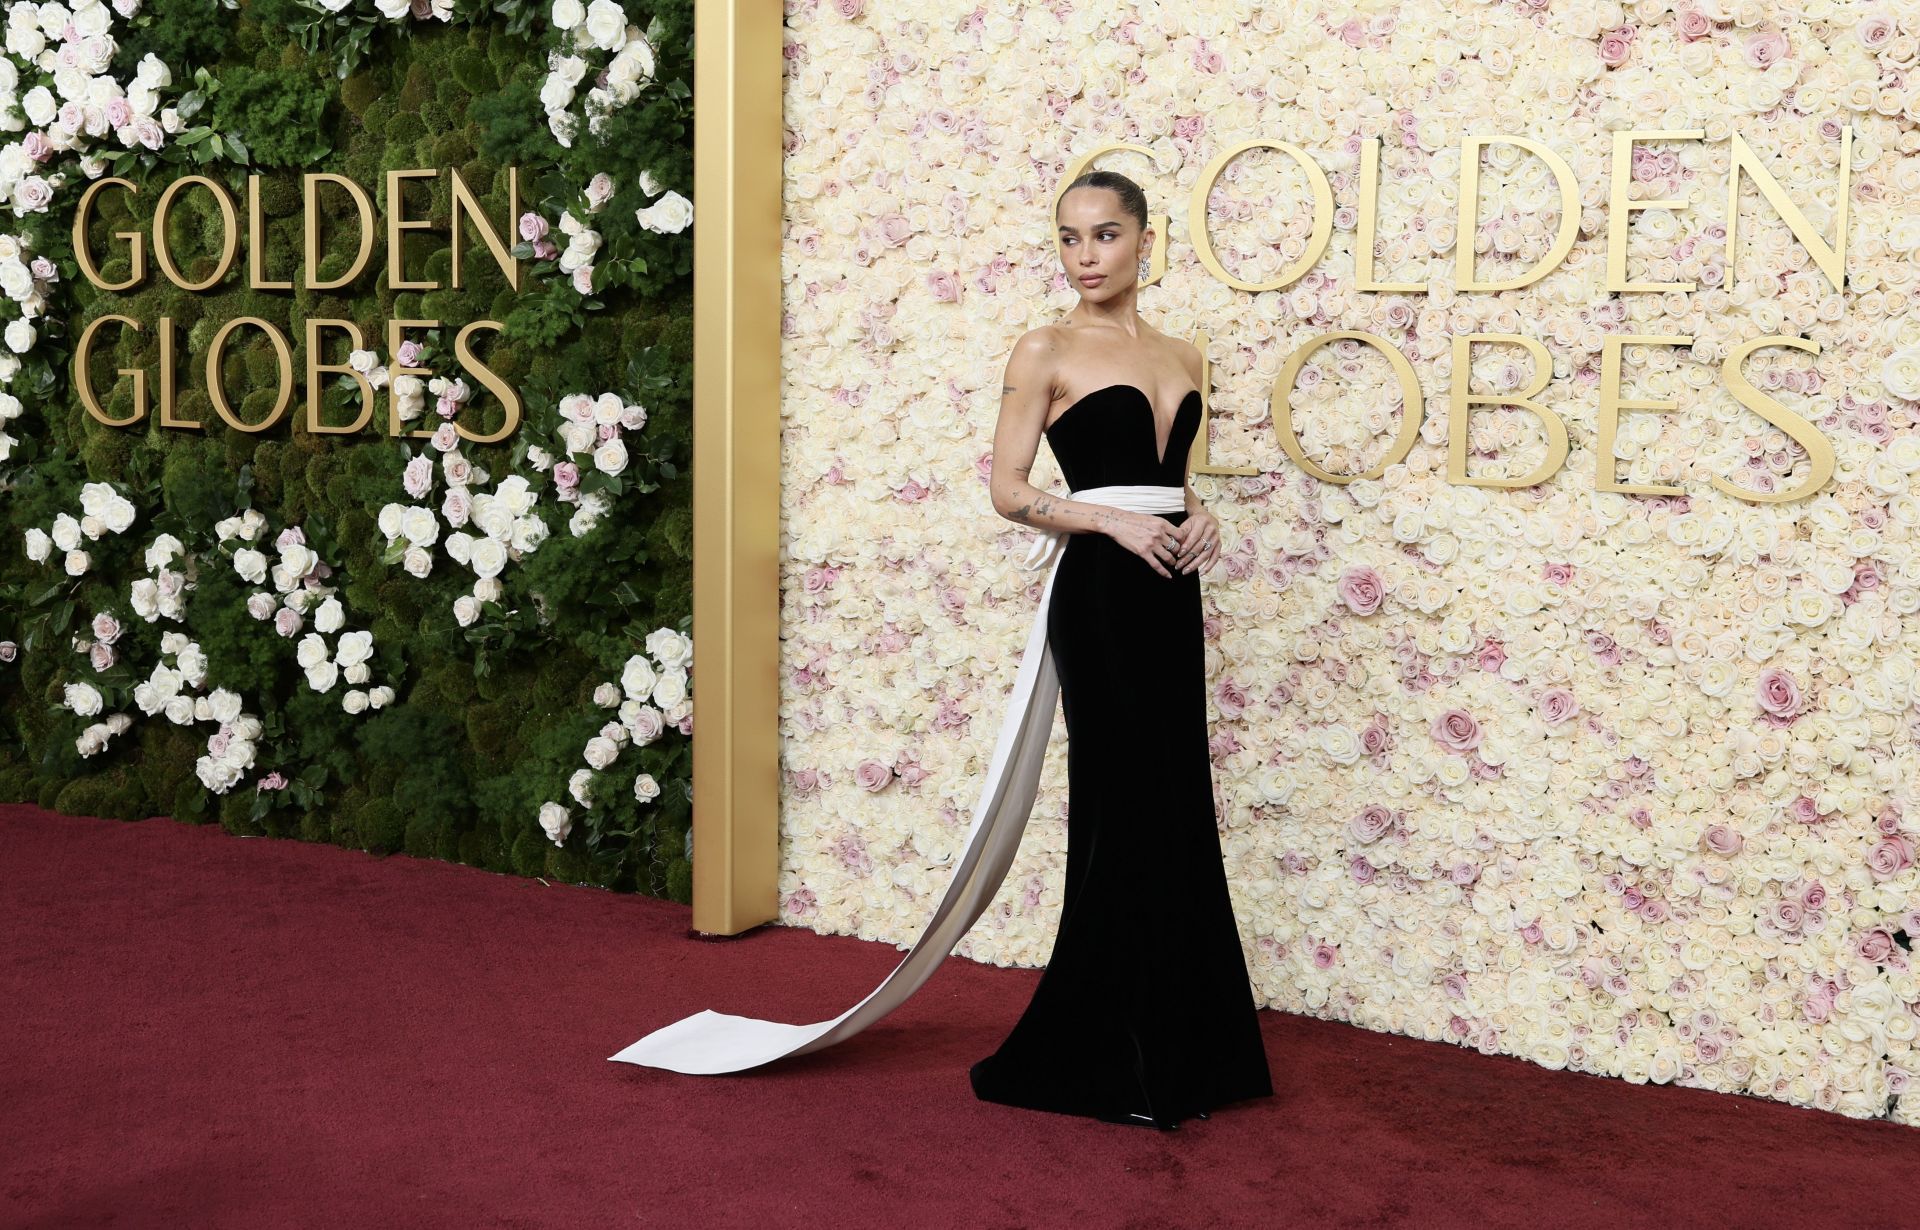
(355, 701)
(312, 651)
(554, 819)
(39, 545)
(489, 557)
(418, 561)
(607, 695)
(466, 609)
(420, 526)
(354, 647)
(77, 563)
(577, 786)
(601, 751)
(329, 615)
(638, 677)
(669, 215)
(671, 689)
(251, 565)
(606, 25)
(322, 676)
(670, 648)
(645, 788)
(611, 456)
(21, 335)
(66, 532)
(83, 699)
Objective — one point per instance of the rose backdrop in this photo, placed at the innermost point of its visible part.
(468, 651)
(1618, 783)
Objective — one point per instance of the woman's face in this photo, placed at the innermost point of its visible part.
(1101, 244)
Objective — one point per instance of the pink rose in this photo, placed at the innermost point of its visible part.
(1361, 589)
(36, 146)
(583, 279)
(1492, 657)
(418, 476)
(409, 354)
(1876, 945)
(1778, 694)
(1375, 740)
(1456, 731)
(850, 9)
(1766, 49)
(599, 192)
(1361, 870)
(1804, 810)
(871, 775)
(533, 227)
(1324, 955)
(566, 475)
(101, 656)
(1692, 24)
(1722, 840)
(272, 781)
(1874, 32)
(9, 650)
(286, 621)
(1889, 857)
(944, 286)
(1557, 705)
(1557, 574)
(293, 535)
(1614, 46)
(1814, 896)
(1370, 823)
(545, 249)
(106, 629)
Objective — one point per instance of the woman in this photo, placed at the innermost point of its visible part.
(1144, 1014)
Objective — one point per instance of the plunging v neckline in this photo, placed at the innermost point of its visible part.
(1153, 413)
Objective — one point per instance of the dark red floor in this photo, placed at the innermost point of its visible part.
(204, 1030)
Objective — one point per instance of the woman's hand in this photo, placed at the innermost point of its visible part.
(1147, 536)
(1199, 537)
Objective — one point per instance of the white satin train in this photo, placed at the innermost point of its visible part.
(709, 1042)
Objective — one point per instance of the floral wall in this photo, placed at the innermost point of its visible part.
(396, 642)
(1616, 782)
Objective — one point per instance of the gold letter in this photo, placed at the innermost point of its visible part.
(1619, 208)
(83, 380)
(230, 230)
(80, 218)
(397, 223)
(1819, 450)
(218, 394)
(1322, 214)
(485, 375)
(167, 380)
(1469, 221)
(257, 242)
(1202, 442)
(1605, 477)
(465, 202)
(1411, 405)
(315, 367)
(1463, 398)
(1369, 215)
(395, 370)
(1832, 261)
(310, 229)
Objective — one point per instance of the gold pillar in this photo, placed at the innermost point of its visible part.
(738, 82)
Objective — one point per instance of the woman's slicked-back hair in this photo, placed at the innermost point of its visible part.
(1132, 199)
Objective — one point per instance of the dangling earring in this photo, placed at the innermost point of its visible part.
(1146, 269)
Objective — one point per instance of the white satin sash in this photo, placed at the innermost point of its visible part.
(710, 1042)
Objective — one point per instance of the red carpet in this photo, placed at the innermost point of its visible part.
(207, 1030)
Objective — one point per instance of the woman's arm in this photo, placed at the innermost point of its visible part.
(1025, 393)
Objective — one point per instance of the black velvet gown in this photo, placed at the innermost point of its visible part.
(1145, 1008)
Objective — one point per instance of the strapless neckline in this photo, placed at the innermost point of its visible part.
(1153, 413)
